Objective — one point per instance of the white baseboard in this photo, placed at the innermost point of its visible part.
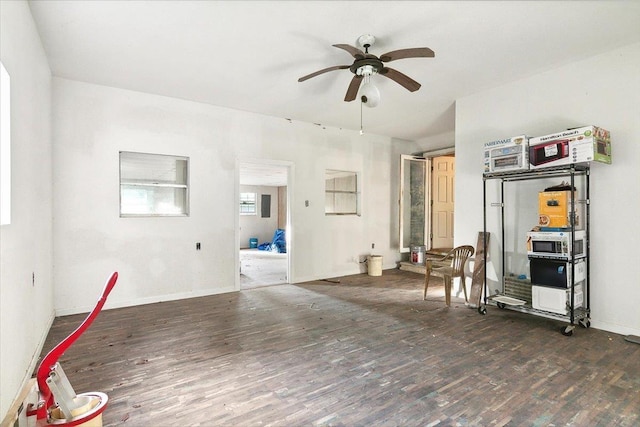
(615, 328)
(147, 300)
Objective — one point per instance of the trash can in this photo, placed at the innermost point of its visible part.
(417, 254)
(374, 265)
(253, 242)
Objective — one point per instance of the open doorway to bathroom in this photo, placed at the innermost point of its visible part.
(263, 224)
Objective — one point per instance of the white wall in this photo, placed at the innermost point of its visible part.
(26, 305)
(255, 225)
(156, 257)
(437, 142)
(603, 90)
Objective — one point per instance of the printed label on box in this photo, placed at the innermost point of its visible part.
(585, 144)
(507, 154)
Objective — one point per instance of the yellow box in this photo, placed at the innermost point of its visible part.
(554, 209)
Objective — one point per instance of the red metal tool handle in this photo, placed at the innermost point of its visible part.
(52, 357)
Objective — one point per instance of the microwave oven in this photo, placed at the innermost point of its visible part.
(556, 273)
(549, 152)
(556, 244)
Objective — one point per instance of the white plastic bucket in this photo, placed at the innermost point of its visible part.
(374, 265)
(91, 403)
(417, 254)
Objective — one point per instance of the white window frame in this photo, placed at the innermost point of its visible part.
(248, 203)
(161, 180)
(342, 192)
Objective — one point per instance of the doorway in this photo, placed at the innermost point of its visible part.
(442, 203)
(427, 186)
(263, 223)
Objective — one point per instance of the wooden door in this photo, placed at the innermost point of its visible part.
(282, 207)
(442, 201)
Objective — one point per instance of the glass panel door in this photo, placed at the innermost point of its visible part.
(413, 180)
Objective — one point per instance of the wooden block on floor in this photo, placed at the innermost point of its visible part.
(28, 394)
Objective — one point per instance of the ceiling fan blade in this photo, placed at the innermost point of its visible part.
(352, 91)
(402, 79)
(325, 70)
(354, 51)
(416, 52)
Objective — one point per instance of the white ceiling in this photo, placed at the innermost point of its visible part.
(263, 174)
(248, 55)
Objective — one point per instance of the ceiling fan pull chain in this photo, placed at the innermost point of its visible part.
(361, 131)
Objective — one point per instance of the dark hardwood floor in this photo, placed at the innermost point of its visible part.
(367, 351)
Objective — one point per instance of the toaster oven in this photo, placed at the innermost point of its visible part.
(508, 158)
(509, 154)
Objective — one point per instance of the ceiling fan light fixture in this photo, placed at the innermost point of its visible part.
(366, 40)
(366, 70)
(369, 95)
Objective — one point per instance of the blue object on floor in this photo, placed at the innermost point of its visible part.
(278, 244)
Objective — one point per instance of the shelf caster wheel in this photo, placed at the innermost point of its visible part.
(567, 331)
(585, 323)
(482, 310)
(501, 305)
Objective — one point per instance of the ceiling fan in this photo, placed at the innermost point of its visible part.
(367, 64)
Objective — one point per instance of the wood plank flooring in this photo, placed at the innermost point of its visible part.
(367, 351)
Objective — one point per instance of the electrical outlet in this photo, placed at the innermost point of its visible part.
(33, 279)
(373, 246)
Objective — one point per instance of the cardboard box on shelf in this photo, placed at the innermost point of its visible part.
(554, 209)
(557, 273)
(507, 154)
(556, 300)
(579, 145)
